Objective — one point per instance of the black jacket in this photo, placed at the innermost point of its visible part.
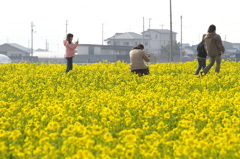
(201, 52)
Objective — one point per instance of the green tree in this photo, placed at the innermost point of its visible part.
(166, 50)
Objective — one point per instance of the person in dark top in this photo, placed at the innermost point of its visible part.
(201, 56)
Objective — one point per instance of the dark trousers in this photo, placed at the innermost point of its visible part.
(201, 64)
(69, 64)
(141, 72)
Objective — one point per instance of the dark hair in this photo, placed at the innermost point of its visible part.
(139, 46)
(212, 28)
(68, 37)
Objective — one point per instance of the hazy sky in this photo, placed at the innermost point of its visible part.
(85, 19)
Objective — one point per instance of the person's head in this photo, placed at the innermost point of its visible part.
(69, 38)
(203, 36)
(139, 46)
(212, 29)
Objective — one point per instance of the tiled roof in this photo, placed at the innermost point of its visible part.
(161, 31)
(127, 35)
(22, 48)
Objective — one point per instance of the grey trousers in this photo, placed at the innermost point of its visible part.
(212, 61)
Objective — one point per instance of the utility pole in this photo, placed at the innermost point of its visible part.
(171, 40)
(66, 27)
(149, 36)
(162, 26)
(143, 32)
(46, 45)
(32, 38)
(181, 41)
(102, 33)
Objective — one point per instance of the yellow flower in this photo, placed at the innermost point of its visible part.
(145, 126)
(223, 152)
(167, 116)
(138, 132)
(2, 133)
(130, 138)
(108, 137)
(15, 134)
(129, 153)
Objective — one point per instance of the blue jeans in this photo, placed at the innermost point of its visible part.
(69, 64)
(201, 64)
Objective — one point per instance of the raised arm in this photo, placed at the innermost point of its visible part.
(70, 46)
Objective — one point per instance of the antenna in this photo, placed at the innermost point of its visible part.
(149, 35)
(102, 33)
(66, 26)
(143, 32)
(171, 40)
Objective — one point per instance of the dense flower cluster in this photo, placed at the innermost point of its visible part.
(104, 111)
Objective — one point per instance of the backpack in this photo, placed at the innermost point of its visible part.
(201, 52)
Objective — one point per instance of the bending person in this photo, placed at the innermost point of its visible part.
(137, 58)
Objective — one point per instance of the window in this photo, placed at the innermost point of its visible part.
(156, 36)
(16, 55)
(116, 43)
(126, 43)
(146, 43)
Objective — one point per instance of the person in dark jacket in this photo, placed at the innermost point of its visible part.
(214, 48)
(201, 56)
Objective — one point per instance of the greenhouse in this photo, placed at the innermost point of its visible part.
(4, 59)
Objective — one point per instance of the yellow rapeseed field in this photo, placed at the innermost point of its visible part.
(104, 111)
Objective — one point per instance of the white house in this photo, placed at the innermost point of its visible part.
(153, 39)
(125, 39)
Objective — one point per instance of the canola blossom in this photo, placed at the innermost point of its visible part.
(102, 111)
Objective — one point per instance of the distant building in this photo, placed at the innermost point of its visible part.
(153, 39)
(236, 46)
(125, 39)
(185, 44)
(90, 53)
(17, 53)
(13, 49)
(190, 51)
(50, 57)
